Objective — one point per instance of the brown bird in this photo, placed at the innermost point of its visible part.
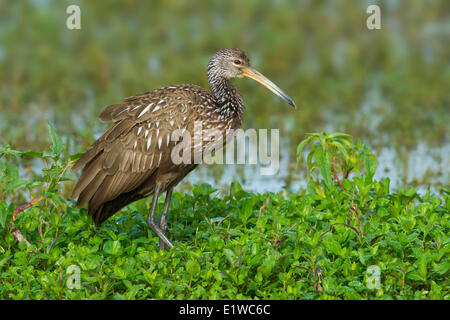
(133, 159)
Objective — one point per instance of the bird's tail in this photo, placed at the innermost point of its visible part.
(109, 208)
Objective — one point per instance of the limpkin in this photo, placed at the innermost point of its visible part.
(132, 159)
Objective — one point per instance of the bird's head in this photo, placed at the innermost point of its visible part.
(234, 63)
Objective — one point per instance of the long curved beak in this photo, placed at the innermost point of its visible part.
(251, 73)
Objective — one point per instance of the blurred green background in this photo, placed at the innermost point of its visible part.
(388, 87)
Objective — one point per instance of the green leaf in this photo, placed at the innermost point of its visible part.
(216, 242)
(57, 145)
(370, 164)
(12, 172)
(192, 267)
(300, 148)
(3, 213)
(422, 268)
(231, 256)
(4, 260)
(323, 160)
(15, 184)
(341, 136)
(267, 267)
(112, 247)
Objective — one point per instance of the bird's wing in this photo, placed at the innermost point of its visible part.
(138, 142)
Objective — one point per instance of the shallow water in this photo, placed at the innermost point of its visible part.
(425, 167)
(388, 87)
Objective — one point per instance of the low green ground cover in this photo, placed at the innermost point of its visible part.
(346, 236)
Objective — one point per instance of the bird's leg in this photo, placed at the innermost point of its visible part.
(163, 223)
(151, 218)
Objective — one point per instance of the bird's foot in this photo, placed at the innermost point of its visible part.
(163, 240)
(163, 226)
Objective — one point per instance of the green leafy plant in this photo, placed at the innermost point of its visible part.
(347, 236)
(334, 156)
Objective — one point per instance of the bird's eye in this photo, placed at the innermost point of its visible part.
(237, 61)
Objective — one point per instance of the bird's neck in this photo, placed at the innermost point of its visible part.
(229, 102)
